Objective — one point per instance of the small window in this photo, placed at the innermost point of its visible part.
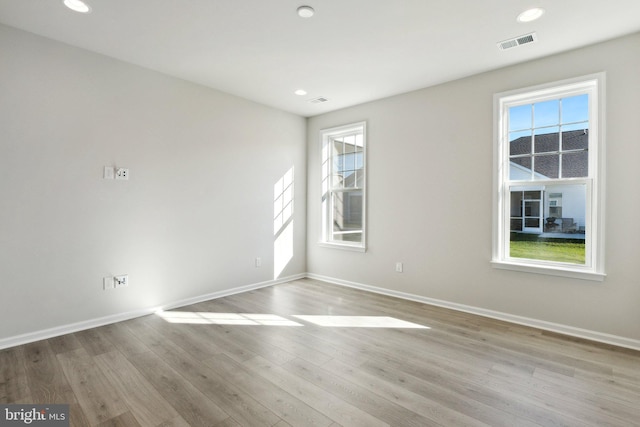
(549, 178)
(343, 186)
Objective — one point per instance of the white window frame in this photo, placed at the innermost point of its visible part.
(326, 136)
(593, 269)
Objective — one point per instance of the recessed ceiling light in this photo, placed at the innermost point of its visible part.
(300, 92)
(530, 14)
(305, 11)
(77, 6)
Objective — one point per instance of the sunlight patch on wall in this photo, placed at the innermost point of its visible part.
(283, 222)
(282, 250)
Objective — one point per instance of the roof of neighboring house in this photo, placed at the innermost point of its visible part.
(574, 164)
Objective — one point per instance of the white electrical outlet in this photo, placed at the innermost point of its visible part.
(122, 174)
(108, 283)
(399, 267)
(258, 262)
(121, 281)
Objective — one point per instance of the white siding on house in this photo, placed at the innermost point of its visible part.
(573, 203)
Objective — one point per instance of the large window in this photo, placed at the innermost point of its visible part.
(549, 159)
(343, 186)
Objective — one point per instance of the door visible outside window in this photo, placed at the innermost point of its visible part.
(526, 211)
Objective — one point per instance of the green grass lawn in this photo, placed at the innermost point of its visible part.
(549, 251)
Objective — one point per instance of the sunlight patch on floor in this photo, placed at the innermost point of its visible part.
(252, 319)
(209, 318)
(360, 322)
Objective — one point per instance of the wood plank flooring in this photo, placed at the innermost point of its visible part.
(248, 360)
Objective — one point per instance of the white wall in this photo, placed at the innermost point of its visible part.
(199, 206)
(196, 212)
(430, 197)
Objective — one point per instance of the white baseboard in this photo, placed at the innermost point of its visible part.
(107, 320)
(535, 323)
(525, 321)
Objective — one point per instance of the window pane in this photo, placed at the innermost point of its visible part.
(338, 151)
(359, 157)
(575, 139)
(520, 168)
(360, 140)
(336, 181)
(337, 164)
(547, 167)
(350, 179)
(347, 216)
(520, 117)
(547, 139)
(563, 237)
(349, 161)
(575, 165)
(349, 142)
(558, 250)
(520, 143)
(575, 109)
(546, 113)
(355, 237)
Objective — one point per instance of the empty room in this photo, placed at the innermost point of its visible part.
(319, 213)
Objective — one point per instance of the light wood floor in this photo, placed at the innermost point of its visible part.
(461, 370)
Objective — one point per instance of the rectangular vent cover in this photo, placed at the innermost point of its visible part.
(318, 100)
(517, 41)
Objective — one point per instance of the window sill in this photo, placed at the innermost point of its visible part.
(345, 247)
(549, 270)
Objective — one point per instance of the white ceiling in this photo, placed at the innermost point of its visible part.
(350, 52)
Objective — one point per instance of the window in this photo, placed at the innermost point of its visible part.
(549, 177)
(343, 186)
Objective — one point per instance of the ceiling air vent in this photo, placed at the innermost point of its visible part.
(318, 100)
(517, 41)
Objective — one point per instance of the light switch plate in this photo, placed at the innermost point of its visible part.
(108, 283)
(109, 172)
(399, 267)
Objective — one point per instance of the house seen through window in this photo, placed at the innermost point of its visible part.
(549, 186)
(549, 140)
